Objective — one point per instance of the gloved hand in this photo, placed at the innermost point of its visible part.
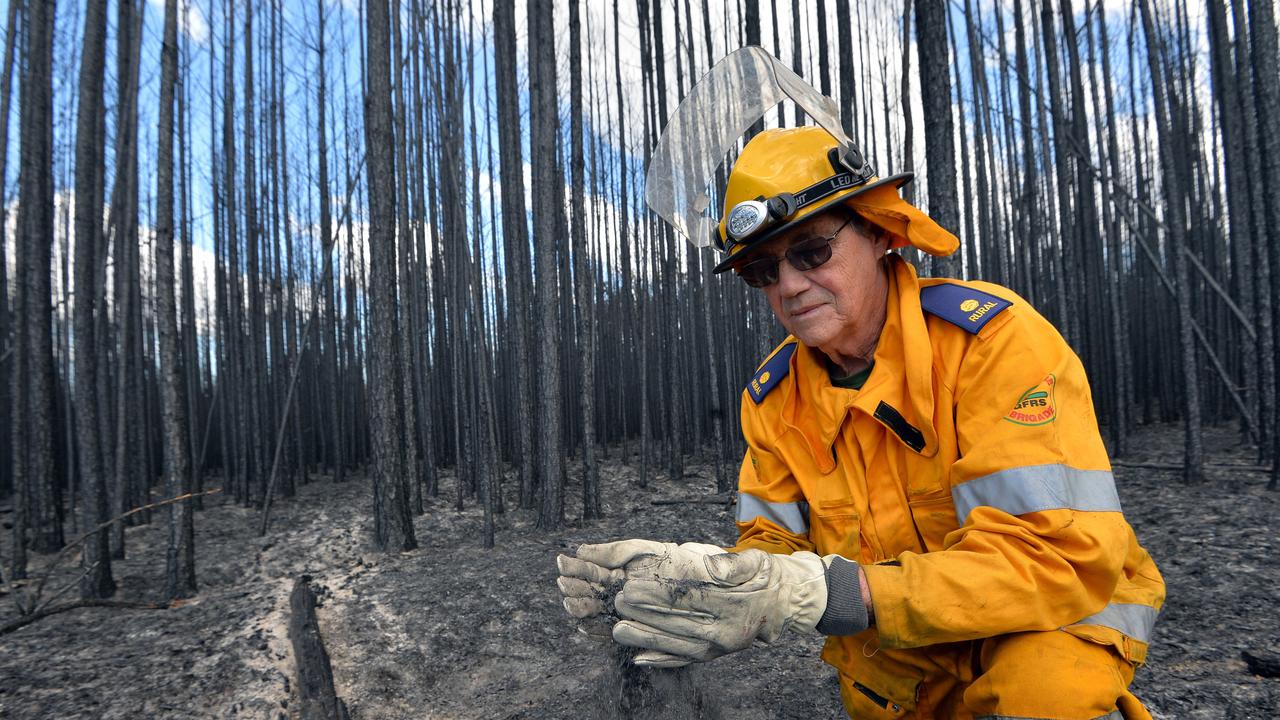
(590, 581)
(749, 595)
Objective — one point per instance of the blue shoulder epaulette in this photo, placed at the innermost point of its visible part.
(962, 306)
(771, 373)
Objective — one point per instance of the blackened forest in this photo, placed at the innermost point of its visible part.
(253, 244)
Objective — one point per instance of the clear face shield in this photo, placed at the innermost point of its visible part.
(710, 121)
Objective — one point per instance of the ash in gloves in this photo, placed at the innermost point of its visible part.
(590, 580)
(693, 602)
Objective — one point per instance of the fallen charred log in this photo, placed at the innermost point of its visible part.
(314, 673)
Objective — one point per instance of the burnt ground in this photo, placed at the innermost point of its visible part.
(454, 631)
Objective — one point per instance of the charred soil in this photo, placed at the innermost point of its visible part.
(454, 631)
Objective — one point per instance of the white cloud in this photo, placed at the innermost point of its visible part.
(191, 20)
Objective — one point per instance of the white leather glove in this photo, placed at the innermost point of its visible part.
(590, 581)
(749, 595)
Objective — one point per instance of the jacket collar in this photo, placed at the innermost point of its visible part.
(898, 394)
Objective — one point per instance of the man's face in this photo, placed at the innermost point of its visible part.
(839, 305)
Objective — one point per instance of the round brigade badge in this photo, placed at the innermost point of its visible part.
(969, 305)
(1036, 405)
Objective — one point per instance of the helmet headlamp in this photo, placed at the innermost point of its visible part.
(750, 217)
(780, 177)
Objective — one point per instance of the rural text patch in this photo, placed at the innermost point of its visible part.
(962, 306)
(771, 373)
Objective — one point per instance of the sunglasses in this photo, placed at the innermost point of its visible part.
(807, 255)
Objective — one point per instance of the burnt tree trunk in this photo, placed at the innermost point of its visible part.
(515, 235)
(180, 564)
(393, 522)
(935, 91)
(96, 551)
(584, 302)
(548, 222)
(34, 377)
(6, 318)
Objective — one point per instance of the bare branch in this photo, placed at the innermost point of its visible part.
(75, 605)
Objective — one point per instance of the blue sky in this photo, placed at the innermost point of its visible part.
(205, 34)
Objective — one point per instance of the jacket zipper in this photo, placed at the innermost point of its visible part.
(876, 697)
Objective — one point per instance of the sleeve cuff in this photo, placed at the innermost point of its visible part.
(888, 591)
(845, 613)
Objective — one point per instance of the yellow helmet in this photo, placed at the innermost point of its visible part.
(784, 176)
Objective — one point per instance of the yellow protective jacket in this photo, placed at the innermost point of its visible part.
(967, 475)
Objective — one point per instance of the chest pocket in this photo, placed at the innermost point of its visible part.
(933, 511)
(836, 528)
(934, 516)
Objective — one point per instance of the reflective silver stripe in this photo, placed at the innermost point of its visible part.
(1112, 715)
(792, 516)
(1132, 619)
(1037, 487)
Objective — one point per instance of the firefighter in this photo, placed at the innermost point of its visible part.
(924, 482)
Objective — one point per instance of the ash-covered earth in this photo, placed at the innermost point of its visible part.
(454, 631)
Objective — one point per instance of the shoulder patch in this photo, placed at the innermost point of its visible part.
(771, 373)
(962, 306)
(1036, 405)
